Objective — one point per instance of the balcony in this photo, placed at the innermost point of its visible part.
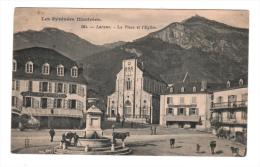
(226, 121)
(229, 105)
(183, 118)
(53, 112)
(182, 105)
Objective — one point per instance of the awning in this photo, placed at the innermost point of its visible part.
(42, 94)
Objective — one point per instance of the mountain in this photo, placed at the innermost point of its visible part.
(204, 48)
(66, 43)
(114, 44)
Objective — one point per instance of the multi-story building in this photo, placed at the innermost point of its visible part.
(49, 87)
(136, 95)
(229, 107)
(186, 105)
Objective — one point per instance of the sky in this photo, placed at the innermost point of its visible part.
(111, 25)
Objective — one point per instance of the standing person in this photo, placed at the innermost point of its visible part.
(123, 121)
(151, 130)
(212, 145)
(52, 134)
(154, 130)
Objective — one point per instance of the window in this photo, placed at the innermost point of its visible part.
(181, 100)
(241, 82)
(44, 103)
(29, 67)
(228, 84)
(128, 84)
(73, 89)
(192, 111)
(60, 70)
(182, 89)
(43, 86)
(181, 111)
(16, 85)
(169, 110)
(193, 100)
(46, 69)
(59, 87)
(58, 103)
(74, 71)
(72, 104)
(232, 115)
(194, 89)
(14, 65)
(14, 101)
(244, 115)
(169, 100)
(27, 102)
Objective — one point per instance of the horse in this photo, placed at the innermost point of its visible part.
(172, 142)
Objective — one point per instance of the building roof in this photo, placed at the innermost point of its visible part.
(40, 56)
(188, 88)
(210, 87)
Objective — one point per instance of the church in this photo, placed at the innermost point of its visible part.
(137, 94)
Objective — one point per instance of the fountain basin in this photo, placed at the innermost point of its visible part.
(95, 143)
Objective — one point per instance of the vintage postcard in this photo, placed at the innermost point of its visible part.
(130, 82)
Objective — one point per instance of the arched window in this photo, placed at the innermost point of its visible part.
(60, 70)
(128, 84)
(14, 65)
(241, 82)
(228, 84)
(194, 89)
(29, 67)
(74, 71)
(182, 89)
(45, 69)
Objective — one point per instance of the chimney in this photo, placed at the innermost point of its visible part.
(203, 85)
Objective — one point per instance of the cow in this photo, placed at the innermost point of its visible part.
(235, 151)
(172, 142)
(120, 135)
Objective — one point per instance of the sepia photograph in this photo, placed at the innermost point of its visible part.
(150, 82)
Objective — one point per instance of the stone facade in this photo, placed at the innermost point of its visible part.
(229, 107)
(136, 95)
(186, 108)
(56, 97)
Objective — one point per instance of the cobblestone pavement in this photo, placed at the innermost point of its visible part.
(140, 141)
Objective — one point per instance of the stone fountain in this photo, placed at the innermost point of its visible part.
(93, 141)
(93, 137)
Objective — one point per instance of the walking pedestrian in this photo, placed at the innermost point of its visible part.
(123, 121)
(151, 130)
(52, 134)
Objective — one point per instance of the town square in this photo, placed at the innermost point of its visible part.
(174, 89)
